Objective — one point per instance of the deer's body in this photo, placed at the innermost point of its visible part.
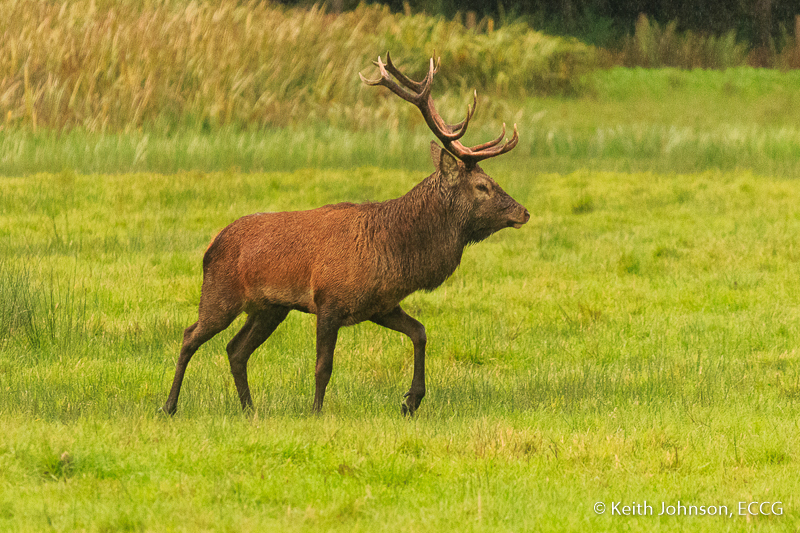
(346, 263)
(365, 257)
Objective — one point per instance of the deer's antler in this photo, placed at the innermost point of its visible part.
(419, 94)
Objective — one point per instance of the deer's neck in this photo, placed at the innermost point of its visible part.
(426, 235)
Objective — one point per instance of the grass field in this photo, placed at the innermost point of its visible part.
(637, 340)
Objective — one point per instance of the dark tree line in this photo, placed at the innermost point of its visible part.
(757, 22)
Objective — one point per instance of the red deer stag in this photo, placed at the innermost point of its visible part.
(347, 263)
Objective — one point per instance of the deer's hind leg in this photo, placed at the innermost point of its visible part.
(257, 328)
(217, 309)
(193, 337)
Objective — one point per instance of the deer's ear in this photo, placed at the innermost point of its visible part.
(449, 167)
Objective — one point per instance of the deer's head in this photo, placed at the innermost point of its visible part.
(484, 206)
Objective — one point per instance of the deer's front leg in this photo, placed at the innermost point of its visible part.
(398, 320)
(327, 333)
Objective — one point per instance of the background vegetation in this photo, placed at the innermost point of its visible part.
(759, 23)
(107, 67)
(168, 86)
(634, 120)
(177, 64)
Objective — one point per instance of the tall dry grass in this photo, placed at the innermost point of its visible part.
(122, 65)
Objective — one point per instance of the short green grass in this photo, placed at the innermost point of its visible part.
(636, 340)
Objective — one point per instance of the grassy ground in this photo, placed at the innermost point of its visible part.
(637, 340)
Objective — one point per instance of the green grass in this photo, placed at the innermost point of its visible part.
(637, 340)
(631, 120)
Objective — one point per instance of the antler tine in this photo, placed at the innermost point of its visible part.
(470, 111)
(380, 79)
(417, 86)
(492, 143)
(486, 150)
(386, 81)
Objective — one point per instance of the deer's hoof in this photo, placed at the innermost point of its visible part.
(409, 407)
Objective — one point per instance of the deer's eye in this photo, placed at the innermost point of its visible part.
(483, 188)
